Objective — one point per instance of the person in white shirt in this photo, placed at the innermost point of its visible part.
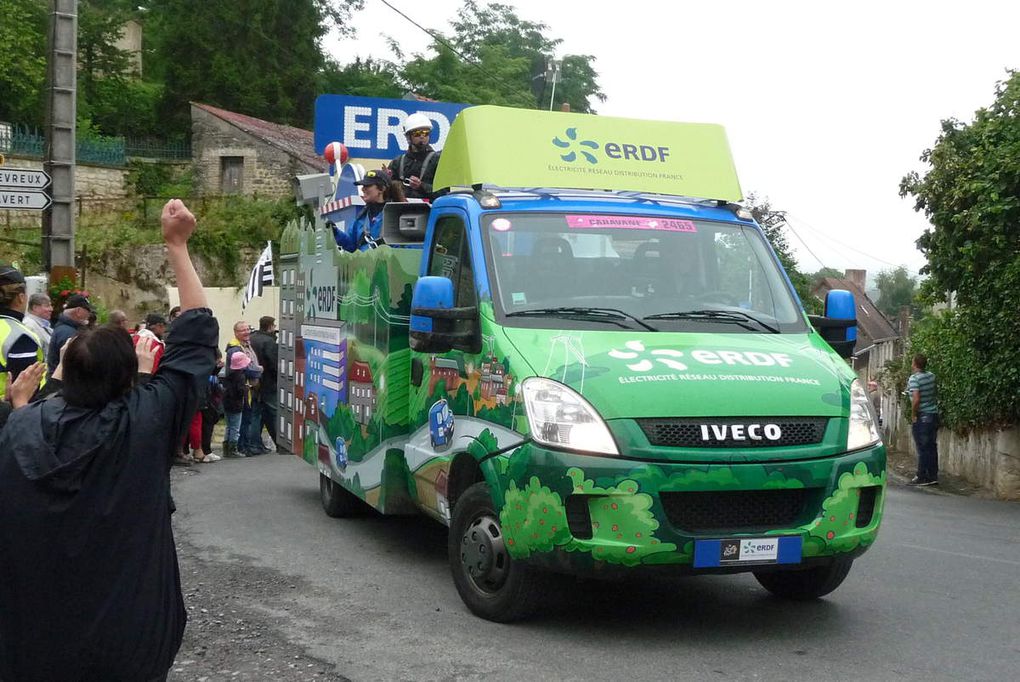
(37, 319)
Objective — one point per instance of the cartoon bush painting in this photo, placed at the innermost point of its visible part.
(623, 525)
(828, 532)
(533, 518)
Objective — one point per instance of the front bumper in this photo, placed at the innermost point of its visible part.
(576, 513)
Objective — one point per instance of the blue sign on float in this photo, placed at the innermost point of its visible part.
(372, 127)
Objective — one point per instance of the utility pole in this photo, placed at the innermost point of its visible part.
(61, 96)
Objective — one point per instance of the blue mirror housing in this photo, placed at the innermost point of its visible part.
(839, 324)
(430, 294)
(840, 305)
(437, 326)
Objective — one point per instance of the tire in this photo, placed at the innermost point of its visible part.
(337, 501)
(492, 585)
(807, 584)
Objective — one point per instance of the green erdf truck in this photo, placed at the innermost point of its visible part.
(584, 358)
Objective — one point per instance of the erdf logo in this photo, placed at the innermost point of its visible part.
(613, 150)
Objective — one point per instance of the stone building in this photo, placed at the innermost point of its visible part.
(238, 154)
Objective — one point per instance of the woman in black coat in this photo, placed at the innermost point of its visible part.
(89, 580)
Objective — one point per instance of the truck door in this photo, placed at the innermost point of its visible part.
(443, 384)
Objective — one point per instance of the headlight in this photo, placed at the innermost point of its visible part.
(558, 416)
(863, 429)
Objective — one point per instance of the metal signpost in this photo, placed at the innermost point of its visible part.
(21, 189)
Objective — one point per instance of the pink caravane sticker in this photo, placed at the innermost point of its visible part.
(623, 222)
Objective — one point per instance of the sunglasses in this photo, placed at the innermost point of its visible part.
(417, 133)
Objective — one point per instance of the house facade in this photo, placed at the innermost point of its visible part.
(238, 154)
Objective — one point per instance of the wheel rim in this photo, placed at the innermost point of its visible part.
(483, 555)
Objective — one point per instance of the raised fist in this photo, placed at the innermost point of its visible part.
(178, 223)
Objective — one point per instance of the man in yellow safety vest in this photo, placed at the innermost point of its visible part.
(19, 347)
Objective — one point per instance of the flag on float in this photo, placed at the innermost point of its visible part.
(261, 275)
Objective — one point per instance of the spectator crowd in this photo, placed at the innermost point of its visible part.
(92, 417)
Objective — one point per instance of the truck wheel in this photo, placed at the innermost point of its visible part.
(805, 585)
(337, 501)
(492, 585)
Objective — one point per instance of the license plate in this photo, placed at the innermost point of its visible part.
(737, 551)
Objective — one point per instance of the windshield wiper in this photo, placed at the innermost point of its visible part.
(735, 316)
(600, 314)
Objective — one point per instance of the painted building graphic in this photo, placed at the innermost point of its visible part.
(362, 392)
(287, 379)
(325, 350)
(444, 369)
(493, 380)
(298, 417)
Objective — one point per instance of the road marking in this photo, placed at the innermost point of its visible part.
(963, 555)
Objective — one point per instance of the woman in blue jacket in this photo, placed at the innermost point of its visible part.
(364, 231)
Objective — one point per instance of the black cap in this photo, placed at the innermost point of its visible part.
(10, 275)
(152, 319)
(77, 301)
(379, 178)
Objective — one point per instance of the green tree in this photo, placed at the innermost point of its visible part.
(896, 289)
(970, 193)
(362, 77)
(261, 58)
(22, 60)
(506, 63)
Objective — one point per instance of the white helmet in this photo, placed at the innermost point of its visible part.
(417, 121)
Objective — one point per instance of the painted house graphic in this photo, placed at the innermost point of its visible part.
(444, 369)
(361, 392)
(493, 380)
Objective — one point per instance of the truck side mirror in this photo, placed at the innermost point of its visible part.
(433, 318)
(839, 324)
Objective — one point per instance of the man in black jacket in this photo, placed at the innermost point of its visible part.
(416, 167)
(263, 342)
(77, 310)
(89, 580)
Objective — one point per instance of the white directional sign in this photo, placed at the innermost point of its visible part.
(23, 201)
(23, 178)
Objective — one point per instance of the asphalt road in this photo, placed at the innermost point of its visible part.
(937, 597)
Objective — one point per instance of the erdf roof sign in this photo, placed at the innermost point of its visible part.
(24, 178)
(582, 151)
(19, 200)
(372, 127)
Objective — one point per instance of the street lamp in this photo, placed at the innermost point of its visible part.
(552, 72)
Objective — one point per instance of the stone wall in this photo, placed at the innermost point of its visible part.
(268, 171)
(989, 458)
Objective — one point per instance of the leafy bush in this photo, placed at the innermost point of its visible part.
(228, 225)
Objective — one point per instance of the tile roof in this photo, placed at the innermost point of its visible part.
(294, 141)
(871, 322)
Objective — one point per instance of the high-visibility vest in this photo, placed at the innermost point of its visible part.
(11, 332)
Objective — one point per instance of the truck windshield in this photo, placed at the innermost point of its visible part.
(588, 271)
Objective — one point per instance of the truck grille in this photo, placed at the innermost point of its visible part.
(735, 509)
(688, 433)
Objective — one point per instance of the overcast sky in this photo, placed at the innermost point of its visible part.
(827, 105)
